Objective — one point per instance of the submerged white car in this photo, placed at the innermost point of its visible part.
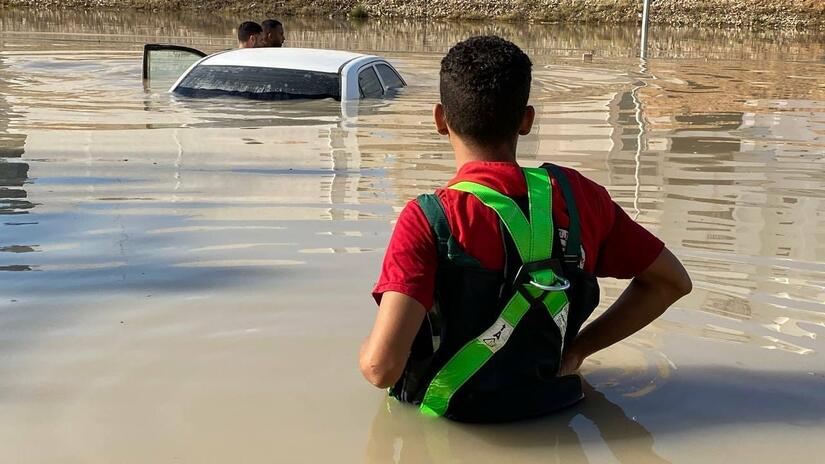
(272, 73)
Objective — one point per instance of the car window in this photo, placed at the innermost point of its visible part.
(165, 62)
(369, 83)
(389, 76)
(259, 83)
(168, 64)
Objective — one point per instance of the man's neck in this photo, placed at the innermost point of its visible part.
(467, 152)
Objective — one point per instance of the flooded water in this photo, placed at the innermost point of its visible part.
(188, 281)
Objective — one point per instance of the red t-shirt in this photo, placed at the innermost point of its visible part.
(613, 244)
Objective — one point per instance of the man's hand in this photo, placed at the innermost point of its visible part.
(571, 361)
(646, 298)
(384, 353)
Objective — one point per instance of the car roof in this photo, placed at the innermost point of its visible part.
(308, 59)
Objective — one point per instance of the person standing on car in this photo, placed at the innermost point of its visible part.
(249, 35)
(273, 33)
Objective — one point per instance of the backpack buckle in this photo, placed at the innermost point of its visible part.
(573, 259)
(523, 276)
(560, 285)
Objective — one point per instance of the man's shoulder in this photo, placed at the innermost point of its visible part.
(576, 178)
(589, 195)
(412, 216)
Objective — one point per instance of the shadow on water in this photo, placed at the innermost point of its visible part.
(117, 278)
(700, 398)
(400, 435)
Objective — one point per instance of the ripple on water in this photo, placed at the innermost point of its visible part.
(222, 212)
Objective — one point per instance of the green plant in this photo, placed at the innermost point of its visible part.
(359, 11)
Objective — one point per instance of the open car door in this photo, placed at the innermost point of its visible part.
(164, 63)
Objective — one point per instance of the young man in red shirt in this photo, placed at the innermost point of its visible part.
(486, 283)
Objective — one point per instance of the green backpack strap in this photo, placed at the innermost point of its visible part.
(572, 252)
(533, 239)
(447, 246)
(432, 209)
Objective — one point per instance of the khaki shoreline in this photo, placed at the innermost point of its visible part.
(757, 14)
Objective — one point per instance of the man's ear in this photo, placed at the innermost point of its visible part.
(440, 120)
(527, 120)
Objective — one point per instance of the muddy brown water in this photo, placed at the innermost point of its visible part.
(188, 281)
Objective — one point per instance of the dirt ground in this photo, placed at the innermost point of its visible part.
(763, 14)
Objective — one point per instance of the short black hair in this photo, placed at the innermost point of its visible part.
(248, 29)
(485, 84)
(271, 24)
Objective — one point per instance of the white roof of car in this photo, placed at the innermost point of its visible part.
(309, 59)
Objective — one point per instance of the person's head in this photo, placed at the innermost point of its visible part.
(485, 84)
(273, 33)
(249, 34)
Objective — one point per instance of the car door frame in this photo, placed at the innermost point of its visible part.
(147, 48)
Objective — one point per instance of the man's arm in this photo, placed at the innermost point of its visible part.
(385, 351)
(646, 298)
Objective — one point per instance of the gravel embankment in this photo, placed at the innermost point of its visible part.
(773, 14)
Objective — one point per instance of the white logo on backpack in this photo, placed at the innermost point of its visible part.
(561, 321)
(497, 335)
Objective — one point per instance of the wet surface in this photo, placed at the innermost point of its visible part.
(188, 281)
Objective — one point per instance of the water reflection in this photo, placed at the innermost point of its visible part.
(13, 173)
(697, 400)
(241, 194)
(13, 176)
(185, 218)
(400, 435)
(213, 31)
(705, 178)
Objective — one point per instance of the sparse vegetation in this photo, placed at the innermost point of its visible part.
(765, 14)
(359, 11)
(515, 16)
(466, 16)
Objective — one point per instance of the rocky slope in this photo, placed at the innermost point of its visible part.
(779, 14)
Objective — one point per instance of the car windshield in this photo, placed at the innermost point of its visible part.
(259, 83)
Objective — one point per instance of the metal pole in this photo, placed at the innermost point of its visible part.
(645, 23)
